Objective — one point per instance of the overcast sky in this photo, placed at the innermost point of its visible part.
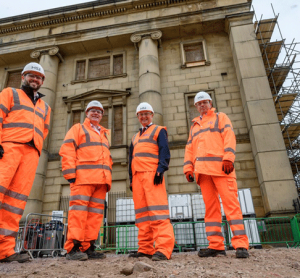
(288, 10)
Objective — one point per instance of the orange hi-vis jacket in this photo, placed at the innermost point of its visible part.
(211, 141)
(145, 150)
(86, 156)
(20, 120)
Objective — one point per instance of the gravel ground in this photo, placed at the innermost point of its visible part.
(274, 262)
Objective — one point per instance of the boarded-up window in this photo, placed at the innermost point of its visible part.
(192, 108)
(118, 126)
(80, 70)
(194, 52)
(14, 79)
(118, 64)
(76, 117)
(104, 121)
(99, 67)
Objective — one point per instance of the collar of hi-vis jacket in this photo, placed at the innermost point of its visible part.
(87, 123)
(210, 112)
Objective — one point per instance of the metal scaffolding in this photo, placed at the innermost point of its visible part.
(281, 61)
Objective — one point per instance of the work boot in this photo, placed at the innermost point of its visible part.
(139, 254)
(158, 256)
(92, 254)
(75, 254)
(241, 253)
(17, 257)
(210, 253)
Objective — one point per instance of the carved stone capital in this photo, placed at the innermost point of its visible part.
(53, 50)
(138, 36)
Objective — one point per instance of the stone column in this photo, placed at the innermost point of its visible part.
(149, 75)
(49, 59)
(272, 164)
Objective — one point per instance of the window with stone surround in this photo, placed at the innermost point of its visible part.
(193, 54)
(101, 67)
(13, 79)
(114, 118)
(191, 110)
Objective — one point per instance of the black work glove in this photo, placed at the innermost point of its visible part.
(1, 152)
(158, 179)
(71, 180)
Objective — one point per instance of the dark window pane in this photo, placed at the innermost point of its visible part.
(104, 121)
(118, 64)
(193, 112)
(99, 67)
(14, 79)
(76, 117)
(80, 70)
(194, 52)
(117, 138)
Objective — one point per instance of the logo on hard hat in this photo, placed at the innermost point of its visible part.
(143, 108)
(36, 68)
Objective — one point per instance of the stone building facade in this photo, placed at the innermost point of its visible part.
(163, 52)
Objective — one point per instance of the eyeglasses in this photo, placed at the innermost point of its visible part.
(38, 77)
(96, 111)
(202, 102)
(144, 114)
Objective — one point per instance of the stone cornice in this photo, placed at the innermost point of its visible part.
(15, 26)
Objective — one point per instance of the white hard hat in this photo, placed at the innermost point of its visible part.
(201, 96)
(34, 67)
(94, 103)
(144, 106)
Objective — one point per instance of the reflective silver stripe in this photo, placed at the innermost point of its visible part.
(222, 129)
(21, 107)
(236, 222)
(229, 150)
(187, 163)
(89, 166)
(38, 132)
(39, 114)
(46, 126)
(89, 144)
(16, 96)
(152, 208)
(12, 209)
(79, 198)
(24, 125)
(71, 141)
(146, 155)
(46, 111)
(142, 219)
(159, 217)
(213, 224)
(189, 142)
(239, 232)
(16, 195)
(214, 234)
(95, 210)
(1, 120)
(87, 135)
(150, 139)
(2, 189)
(69, 171)
(4, 109)
(5, 232)
(209, 159)
(76, 207)
(97, 200)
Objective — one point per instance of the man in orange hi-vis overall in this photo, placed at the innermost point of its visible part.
(210, 154)
(87, 165)
(24, 124)
(149, 158)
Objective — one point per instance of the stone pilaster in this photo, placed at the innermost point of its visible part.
(49, 59)
(149, 76)
(272, 164)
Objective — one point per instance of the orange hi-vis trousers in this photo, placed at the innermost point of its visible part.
(85, 214)
(152, 215)
(17, 172)
(211, 187)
